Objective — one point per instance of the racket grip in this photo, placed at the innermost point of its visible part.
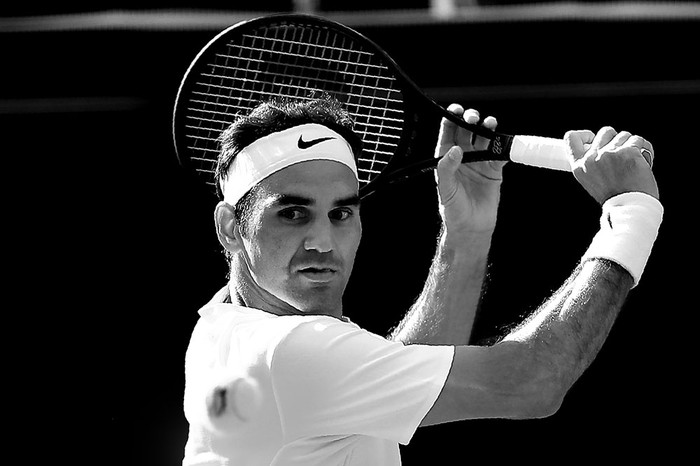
(540, 152)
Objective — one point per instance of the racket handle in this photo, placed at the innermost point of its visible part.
(540, 152)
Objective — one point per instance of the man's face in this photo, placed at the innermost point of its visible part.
(303, 235)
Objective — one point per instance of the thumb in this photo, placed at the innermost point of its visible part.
(446, 169)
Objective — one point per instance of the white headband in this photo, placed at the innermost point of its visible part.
(279, 150)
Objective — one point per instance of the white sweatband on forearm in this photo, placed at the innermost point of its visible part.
(628, 228)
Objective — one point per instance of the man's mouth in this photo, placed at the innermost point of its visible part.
(318, 274)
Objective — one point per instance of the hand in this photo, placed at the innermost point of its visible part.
(468, 193)
(613, 164)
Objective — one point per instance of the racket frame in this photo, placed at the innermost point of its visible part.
(417, 103)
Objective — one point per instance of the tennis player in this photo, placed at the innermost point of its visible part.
(308, 387)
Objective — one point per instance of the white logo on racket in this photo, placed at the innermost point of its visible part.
(497, 148)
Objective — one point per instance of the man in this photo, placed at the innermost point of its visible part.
(307, 387)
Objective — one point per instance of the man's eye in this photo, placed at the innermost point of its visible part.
(294, 213)
(341, 214)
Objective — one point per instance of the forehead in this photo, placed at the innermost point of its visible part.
(321, 181)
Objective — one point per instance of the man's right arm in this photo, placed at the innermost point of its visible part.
(528, 373)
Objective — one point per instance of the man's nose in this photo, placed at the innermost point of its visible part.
(319, 236)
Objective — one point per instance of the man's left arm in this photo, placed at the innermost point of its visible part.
(468, 195)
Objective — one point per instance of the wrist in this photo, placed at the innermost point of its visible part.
(467, 226)
(629, 225)
(467, 242)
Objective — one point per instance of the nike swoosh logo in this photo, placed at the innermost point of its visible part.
(306, 144)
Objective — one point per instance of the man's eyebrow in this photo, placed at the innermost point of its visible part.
(292, 199)
(350, 201)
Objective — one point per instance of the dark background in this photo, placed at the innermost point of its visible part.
(112, 247)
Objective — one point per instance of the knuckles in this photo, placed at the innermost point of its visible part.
(612, 164)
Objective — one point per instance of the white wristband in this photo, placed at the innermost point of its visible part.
(628, 228)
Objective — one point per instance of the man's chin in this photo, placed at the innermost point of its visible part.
(317, 296)
(313, 303)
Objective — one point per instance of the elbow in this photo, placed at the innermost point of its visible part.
(509, 380)
(541, 388)
(542, 404)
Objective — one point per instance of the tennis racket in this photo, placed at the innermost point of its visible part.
(299, 56)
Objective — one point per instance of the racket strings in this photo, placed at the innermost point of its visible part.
(294, 61)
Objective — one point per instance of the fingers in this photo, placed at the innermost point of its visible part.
(615, 162)
(645, 148)
(473, 117)
(619, 139)
(626, 139)
(482, 143)
(476, 142)
(456, 109)
(604, 135)
(578, 142)
(448, 129)
(452, 134)
(584, 143)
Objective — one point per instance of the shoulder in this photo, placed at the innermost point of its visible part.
(329, 347)
(323, 333)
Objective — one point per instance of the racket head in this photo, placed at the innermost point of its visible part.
(292, 56)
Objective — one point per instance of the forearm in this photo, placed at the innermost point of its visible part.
(567, 332)
(527, 374)
(444, 312)
(562, 338)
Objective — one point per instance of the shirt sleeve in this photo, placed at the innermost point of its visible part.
(333, 378)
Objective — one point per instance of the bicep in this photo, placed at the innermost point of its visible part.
(499, 381)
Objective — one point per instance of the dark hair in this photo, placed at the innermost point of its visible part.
(280, 114)
(274, 116)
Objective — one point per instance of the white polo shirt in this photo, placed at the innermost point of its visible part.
(332, 393)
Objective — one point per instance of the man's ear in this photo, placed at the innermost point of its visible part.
(226, 228)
